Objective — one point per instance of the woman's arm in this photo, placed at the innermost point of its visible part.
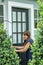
(25, 48)
(19, 47)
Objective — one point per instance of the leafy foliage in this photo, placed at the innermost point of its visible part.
(8, 56)
(37, 47)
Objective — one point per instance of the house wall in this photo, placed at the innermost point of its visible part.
(5, 3)
(27, 2)
(22, 1)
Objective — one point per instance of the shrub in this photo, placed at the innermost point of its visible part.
(37, 47)
(8, 56)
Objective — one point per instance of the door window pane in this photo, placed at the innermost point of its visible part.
(14, 16)
(24, 26)
(19, 27)
(14, 27)
(19, 16)
(1, 10)
(14, 38)
(23, 16)
(19, 38)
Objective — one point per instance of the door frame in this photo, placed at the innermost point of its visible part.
(31, 15)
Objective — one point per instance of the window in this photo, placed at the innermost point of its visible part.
(1, 13)
(37, 19)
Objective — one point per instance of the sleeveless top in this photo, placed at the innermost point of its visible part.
(28, 52)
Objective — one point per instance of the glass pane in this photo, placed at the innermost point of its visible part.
(19, 38)
(1, 19)
(39, 20)
(14, 27)
(14, 38)
(35, 13)
(24, 27)
(14, 16)
(38, 13)
(1, 10)
(23, 16)
(35, 22)
(19, 16)
(19, 27)
(35, 33)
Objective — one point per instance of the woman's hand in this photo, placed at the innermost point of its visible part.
(15, 46)
(25, 48)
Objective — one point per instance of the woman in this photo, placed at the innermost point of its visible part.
(26, 47)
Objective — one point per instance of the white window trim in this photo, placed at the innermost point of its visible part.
(21, 5)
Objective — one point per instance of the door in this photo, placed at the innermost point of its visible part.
(19, 25)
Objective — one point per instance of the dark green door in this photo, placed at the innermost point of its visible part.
(19, 25)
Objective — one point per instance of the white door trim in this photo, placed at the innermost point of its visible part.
(21, 5)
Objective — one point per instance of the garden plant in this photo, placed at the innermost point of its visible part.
(8, 56)
(37, 47)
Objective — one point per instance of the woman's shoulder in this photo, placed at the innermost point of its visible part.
(30, 40)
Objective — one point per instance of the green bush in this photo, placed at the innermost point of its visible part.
(8, 56)
(37, 47)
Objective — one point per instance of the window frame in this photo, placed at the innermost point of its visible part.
(38, 18)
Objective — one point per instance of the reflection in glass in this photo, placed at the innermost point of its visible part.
(14, 16)
(14, 27)
(19, 38)
(19, 16)
(24, 27)
(23, 16)
(14, 38)
(19, 27)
